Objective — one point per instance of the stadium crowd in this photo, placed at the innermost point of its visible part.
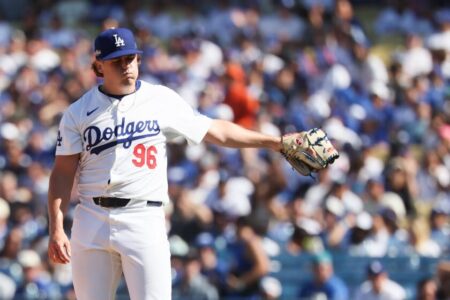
(275, 66)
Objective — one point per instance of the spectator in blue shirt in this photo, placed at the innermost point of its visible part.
(440, 231)
(324, 283)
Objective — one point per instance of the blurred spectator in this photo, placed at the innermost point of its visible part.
(42, 56)
(209, 103)
(57, 35)
(369, 70)
(426, 289)
(341, 192)
(327, 5)
(398, 237)
(39, 149)
(282, 25)
(37, 282)
(401, 180)
(334, 222)
(22, 216)
(377, 243)
(37, 182)
(271, 288)
(379, 115)
(281, 230)
(378, 285)
(439, 43)
(316, 27)
(231, 196)
(7, 287)
(305, 237)
(316, 193)
(281, 93)
(188, 218)
(211, 266)
(5, 212)
(439, 225)
(357, 237)
(237, 96)
(72, 12)
(399, 18)
(155, 19)
(420, 239)
(346, 21)
(12, 245)
(325, 284)
(416, 59)
(443, 280)
(249, 261)
(193, 285)
(377, 198)
(431, 175)
(178, 250)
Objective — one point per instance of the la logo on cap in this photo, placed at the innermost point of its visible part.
(115, 42)
(119, 41)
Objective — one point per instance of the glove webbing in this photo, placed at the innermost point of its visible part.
(318, 142)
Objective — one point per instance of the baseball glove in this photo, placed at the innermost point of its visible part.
(308, 151)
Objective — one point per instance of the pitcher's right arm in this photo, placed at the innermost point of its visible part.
(60, 187)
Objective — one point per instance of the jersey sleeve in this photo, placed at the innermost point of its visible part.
(184, 120)
(69, 138)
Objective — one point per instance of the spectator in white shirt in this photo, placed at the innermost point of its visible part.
(421, 241)
(416, 59)
(379, 286)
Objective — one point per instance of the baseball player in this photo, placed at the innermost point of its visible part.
(114, 138)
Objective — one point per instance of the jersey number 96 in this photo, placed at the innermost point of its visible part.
(144, 156)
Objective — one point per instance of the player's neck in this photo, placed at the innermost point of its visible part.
(121, 95)
(116, 89)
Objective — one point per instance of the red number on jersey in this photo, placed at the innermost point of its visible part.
(151, 158)
(144, 156)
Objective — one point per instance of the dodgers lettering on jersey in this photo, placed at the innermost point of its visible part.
(123, 133)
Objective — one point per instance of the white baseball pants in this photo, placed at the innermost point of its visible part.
(107, 241)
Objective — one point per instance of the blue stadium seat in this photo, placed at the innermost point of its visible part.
(406, 270)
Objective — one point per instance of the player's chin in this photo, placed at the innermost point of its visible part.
(128, 79)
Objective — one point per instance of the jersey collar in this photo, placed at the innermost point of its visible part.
(119, 97)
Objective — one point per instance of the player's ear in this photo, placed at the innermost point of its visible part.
(97, 68)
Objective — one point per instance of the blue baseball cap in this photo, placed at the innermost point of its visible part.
(323, 257)
(115, 42)
(375, 268)
(204, 240)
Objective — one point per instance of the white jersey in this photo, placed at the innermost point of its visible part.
(123, 142)
(390, 290)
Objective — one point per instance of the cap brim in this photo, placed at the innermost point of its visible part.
(120, 53)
